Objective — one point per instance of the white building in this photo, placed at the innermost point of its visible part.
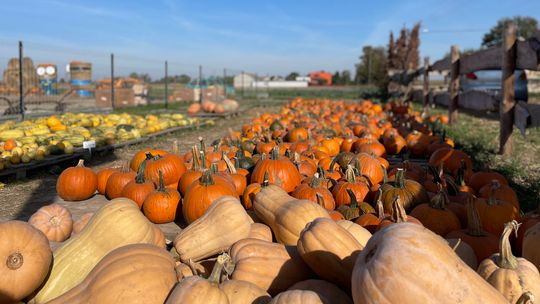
(280, 84)
(243, 80)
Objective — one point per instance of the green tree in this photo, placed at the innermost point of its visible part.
(525, 29)
(346, 77)
(143, 76)
(292, 76)
(336, 79)
(372, 66)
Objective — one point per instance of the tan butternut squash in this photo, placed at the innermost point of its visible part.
(136, 273)
(407, 263)
(329, 250)
(268, 201)
(361, 234)
(298, 297)
(116, 224)
(242, 292)
(260, 231)
(510, 275)
(330, 292)
(293, 216)
(271, 266)
(224, 223)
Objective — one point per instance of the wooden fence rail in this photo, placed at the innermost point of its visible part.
(510, 56)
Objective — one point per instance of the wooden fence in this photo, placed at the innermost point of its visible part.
(512, 55)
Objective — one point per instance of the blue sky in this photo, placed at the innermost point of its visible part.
(266, 37)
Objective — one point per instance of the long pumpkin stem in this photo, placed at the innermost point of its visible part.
(400, 178)
(195, 158)
(227, 161)
(80, 163)
(161, 182)
(398, 212)
(440, 200)
(275, 153)
(474, 224)
(495, 185)
(206, 179)
(526, 298)
(265, 182)
(354, 201)
(139, 179)
(320, 200)
(506, 259)
(215, 275)
(315, 182)
(203, 146)
(380, 206)
(385, 174)
(349, 174)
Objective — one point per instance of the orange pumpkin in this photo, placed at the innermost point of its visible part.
(160, 205)
(54, 221)
(138, 158)
(169, 165)
(117, 181)
(281, 171)
(102, 177)
(138, 189)
(10, 144)
(76, 183)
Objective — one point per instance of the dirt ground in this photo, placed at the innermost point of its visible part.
(20, 199)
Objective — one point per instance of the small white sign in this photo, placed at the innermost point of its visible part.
(89, 144)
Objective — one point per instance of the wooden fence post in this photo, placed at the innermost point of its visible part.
(506, 108)
(426, 85)
(454, 84)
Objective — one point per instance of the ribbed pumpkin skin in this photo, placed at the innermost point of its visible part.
(224, 223)
(271, 266)
(25, 258)
(281, 169)
(118, 223)
(242, 292)
(361, 234)
(531, 249)
(268, 201)
(292, 217)
(102, 177)
(329, 250)
(136, 273)
(297, 297)
(196, 290)
(330, 293)
(54, 221)
(415, 253)
(140, 156)
(116, 183)
(137, 192)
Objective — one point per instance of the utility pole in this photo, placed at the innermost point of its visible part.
(166, 85)
(224, 83)
(21, 88)
(369, 66)
(200, 85)
(112, 81)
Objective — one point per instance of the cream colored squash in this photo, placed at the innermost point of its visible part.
(298, 297)
(406, 263)
(116, 224)
(268, 201)
(330, 293)
(361, 234)
(260, 231)
(292, 217)
(224, 223)
(243, 292)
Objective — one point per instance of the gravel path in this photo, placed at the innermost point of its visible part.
(20, 199)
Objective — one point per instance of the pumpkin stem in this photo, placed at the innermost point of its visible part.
(332, 164)
(15, 261)
(398, 212)
(203, 159)
(380, 206)
(474, 224)
(321, 172)
(213, 168)
(275, 153)
(161, 187)
(385, 174)
(315, 182)
(460, 180)
(354, 201)
(80, 163)
(203, 146)
(175, 146)
(526, 298)
(149, 155)
(195, 158)
(440, 200)
(139, 179)
(349, 174)
(456, 245)
(265, 182)
(320, 200)
(506, 259)
(495, 185)
(215, 275)
(400, 178)
(206, 179)
(227, 161)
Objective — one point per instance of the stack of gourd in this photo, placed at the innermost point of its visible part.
(23, 142)
(208, 106)
(297, 207)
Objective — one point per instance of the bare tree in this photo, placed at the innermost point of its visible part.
(391, 58)
(413, 56)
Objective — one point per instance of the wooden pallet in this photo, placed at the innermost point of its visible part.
(20, 170)
(223, 115)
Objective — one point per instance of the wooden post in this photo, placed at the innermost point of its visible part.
(454, 84)
(426, 85)
(506, 108)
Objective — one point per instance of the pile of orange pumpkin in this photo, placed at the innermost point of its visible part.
(323, 202)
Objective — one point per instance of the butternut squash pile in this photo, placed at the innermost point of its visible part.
(323, 202)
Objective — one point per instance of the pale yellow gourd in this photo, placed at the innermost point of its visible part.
(298, 297)
(329, 250)
(136, 273)
(116, 224)
(224, 223)
(260, 231)
(268, 201)
(293, 216)
(361, 234)
(327, 290)
(406, 263)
